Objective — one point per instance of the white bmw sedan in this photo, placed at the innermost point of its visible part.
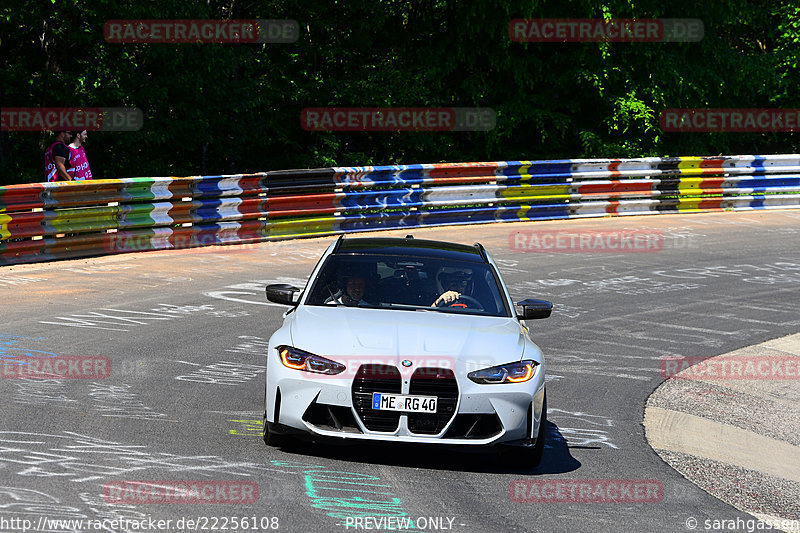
(407, 340)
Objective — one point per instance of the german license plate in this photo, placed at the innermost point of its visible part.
(401, 402)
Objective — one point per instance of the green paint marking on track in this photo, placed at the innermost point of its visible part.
(317, 477)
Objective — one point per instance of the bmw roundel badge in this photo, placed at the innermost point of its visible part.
(406, 363)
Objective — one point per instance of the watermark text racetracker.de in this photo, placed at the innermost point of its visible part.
(58, 367)
(70, 119)
(215, 241)
(398, 119)
(201, 31)
(731, 368)
(594, 241)
(586, 491)
(567, 30)
(734, 120)
(181, 492)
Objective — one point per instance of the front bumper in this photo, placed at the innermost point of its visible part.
(468, 413)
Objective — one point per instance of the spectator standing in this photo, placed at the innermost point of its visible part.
(57, 158)
(80, 165)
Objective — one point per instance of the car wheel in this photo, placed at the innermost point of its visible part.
(271, 438)
(538, 448)
(529, 457)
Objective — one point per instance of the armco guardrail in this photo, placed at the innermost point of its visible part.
(47, 221)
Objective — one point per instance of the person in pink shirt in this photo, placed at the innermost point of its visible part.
(58, 158)
(80, 165)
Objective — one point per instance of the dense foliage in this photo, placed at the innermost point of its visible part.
(229, 108)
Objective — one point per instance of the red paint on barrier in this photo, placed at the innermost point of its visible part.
(21, 197)
(443, 170)
(613, 167)
(711, 183)
(713, 164)
(305, 204)
(615, 187)
(25, 224)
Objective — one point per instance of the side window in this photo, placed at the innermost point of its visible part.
(493, 296)
(384, 271)
(325, 285)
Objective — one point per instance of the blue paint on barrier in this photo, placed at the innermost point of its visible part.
(382, 199)
(758, 163)
(559, 210)
(209, 210)
(548, 168)
(768, 183)
(463, 215)
(373, 221)
(208, 186)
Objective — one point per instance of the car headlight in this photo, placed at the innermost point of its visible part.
(301, 360)
(509, 373)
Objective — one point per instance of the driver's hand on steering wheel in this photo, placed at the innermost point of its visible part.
(446, 298)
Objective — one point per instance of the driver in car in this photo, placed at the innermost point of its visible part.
(352, 293)
(454, 284)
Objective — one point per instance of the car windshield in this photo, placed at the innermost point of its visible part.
(408, 283)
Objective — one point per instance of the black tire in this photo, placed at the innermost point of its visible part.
(538, 448)
(528, 457)
(271, 437)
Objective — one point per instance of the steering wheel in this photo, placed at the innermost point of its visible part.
(473, 303)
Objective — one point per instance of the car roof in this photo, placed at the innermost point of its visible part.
(410, 246)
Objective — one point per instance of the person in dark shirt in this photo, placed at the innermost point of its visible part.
(57, 158)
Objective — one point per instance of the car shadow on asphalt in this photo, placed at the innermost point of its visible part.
(556, 459)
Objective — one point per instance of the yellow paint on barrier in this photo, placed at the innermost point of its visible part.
(537, 191)
(307, 226)
(4, 231)
(91, 218)
(690, 186)
(524, 170)
(523, 211)
(690, 162)
(690, 204)
(542, 200)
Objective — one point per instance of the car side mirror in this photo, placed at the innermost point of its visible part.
(533, 309)
(281, 293)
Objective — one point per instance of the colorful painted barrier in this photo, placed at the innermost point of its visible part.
(49, 221)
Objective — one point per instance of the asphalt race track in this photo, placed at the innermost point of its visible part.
(184, 333)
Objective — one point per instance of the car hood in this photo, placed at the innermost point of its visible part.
(393, 336)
